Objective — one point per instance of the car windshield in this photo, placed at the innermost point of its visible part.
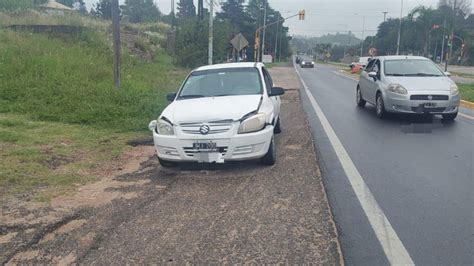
(411, 67)
(222, 82)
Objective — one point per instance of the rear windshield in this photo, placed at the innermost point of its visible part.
(411, 67)
(222, 82)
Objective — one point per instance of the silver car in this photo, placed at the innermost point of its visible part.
(407, 84)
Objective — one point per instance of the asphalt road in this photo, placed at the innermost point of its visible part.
(419, 171)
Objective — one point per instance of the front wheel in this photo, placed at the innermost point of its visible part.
(359, 100)
(380, 106)
(449, 117)
(270, 157)
(277, 128)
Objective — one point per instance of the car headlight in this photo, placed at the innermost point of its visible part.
(164, 127)
(454, 89)
(312, 63)
(398, 89)
(253, 124)
(303, 62)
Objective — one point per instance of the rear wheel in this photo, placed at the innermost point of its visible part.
(167, 164)
(270, 157)
(380, 106)
(359, 100)
(449, 117)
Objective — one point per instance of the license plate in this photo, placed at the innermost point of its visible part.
(205, 146)
(429, 105)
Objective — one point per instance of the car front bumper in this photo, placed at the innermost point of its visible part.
(396, 103)
(237, 147)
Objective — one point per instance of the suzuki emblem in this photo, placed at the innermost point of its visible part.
(204, 129)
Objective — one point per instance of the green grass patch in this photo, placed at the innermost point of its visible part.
(467, 91)
(69, 79)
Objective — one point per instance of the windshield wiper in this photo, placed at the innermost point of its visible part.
(396, 75)
(424, 75)
(222, 95)
(191, 96)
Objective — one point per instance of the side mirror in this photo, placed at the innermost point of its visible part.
(373, 75)
(152, 125)
(171, 96)
(276, 91)
(447, 74)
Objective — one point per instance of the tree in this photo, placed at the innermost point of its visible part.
(102, 9)
(463, 6)
(69, 3)
(186, 9)
(141, 11)
(81, 7)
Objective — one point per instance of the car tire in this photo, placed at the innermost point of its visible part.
(167, 164)
(449, 117)
(359, 100)
(270, 158)
(277, 128)
(380, 106)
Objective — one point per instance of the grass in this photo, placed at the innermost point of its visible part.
(51, 155)
(60, 117)
(467, 91)
(463, 75)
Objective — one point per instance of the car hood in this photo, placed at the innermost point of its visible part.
(423, 83)
(211, 108)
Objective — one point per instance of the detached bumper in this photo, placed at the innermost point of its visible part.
(403, 104)
(236, 148)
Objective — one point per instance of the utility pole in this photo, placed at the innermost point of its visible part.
(276, 42)
(264, 26)
(400, 28)
(211, 30)
(363, 33)
(116, 41)
(444, 37)
(384, 15)
(173, 18)
(201, 9)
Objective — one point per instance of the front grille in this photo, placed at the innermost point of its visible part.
(428, 110)
(190, 151)
(424, 97)
(215, 127)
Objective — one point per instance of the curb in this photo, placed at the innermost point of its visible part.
(467, 104)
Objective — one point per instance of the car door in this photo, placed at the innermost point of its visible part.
(276, 102)
(364, 80)
(373, 83)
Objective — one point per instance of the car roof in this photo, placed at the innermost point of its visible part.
(398, 57)
(231, 65)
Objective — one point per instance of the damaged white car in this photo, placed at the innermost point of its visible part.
(221, 113)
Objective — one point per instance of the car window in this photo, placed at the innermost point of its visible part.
(268, 80)
(411, 67)
(222, 82)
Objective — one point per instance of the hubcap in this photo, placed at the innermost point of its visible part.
(379, 105)
(358, 95)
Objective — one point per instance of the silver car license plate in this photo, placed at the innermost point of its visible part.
(205, 146)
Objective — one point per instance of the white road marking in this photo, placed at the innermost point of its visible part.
(345, 76)
(392, 246)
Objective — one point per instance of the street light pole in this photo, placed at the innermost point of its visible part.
(211, 31)
(400, 28)
(384, 15)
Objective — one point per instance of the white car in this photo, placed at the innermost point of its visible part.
(226, 112)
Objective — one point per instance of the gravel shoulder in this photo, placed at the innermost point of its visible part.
(231, 213)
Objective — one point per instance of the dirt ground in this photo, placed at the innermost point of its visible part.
(140, 212)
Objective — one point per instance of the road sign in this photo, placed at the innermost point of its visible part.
(239, 42)
(372, 51)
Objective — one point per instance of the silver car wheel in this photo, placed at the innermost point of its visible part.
(378, 107)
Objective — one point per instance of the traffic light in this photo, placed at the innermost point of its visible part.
(302, 14)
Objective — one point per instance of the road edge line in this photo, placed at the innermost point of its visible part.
(392, 246)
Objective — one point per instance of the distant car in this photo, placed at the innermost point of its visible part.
(407, 84)
(306, 63)
(362, 63)
(226, 112)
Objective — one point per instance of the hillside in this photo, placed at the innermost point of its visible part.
(60, 116)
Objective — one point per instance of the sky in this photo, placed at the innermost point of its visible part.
(330, 16)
